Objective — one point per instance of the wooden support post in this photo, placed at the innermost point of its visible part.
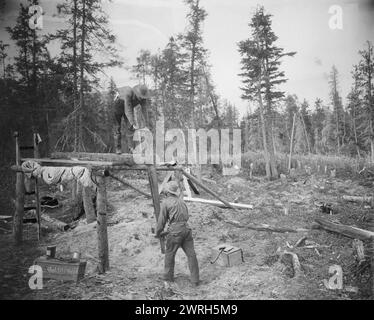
(168, 176)
(35, 142)
(102, 233)
(77, 207)
(291, 143)
(88, 205)
(153, 183)
(152, 176)
(37, 195)
(20, 198)
(198, 183)
(37, 200)
(178, 178)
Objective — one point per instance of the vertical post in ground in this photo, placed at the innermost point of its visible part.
(102, 232)
(153, 183)
(20, 198)
(88, 205)
(37, 195)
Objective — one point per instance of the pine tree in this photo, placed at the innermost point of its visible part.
(3, 56)
(366, 73)
(193, 46)
(31, 63)
(336, 102)
(318, 118)
(260, 66)
(88, 49)
(355, 107)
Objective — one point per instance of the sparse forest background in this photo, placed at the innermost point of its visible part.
(59, 94)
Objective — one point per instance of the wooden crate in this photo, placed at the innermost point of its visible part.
(61, 270)
(230, 255)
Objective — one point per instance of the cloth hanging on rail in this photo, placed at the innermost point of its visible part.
(56, 175)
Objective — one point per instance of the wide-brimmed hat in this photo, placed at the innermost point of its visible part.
(172, 187)
(142, 91)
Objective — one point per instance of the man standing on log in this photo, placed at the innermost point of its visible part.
(179, 234)
(125, 101)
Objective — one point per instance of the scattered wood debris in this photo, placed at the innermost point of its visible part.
(349, 231)
(358, 245)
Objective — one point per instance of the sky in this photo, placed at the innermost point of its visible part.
(301, 25)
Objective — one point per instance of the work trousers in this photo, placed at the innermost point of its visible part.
(184, 240)
(119, 113)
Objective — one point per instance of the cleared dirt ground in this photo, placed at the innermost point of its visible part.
(137, 263)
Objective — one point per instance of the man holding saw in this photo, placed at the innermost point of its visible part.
(174, 212)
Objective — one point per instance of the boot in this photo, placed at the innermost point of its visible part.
(117, 142)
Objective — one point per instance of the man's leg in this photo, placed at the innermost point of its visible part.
(172, 246)
(189, 250)
(118, 113)
(129, 136)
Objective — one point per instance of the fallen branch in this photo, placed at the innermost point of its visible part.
(295, 262)
(358, 199)
(263, 227)
(348, 231)
(208, 180)
(56, 224)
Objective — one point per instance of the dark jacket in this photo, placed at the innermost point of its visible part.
(130, 101)
(173, 210)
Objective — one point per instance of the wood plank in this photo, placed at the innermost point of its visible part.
(153, 183)
(349, 231)
(218, 203)
(165, 181)
(187, 187)
(197, 182)
(124, 158)
(68, 162)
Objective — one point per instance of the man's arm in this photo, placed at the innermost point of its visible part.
(129, 110)
(145, 105)
(162, 219)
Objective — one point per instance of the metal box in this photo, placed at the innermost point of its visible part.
(227, 255)
(61, 270)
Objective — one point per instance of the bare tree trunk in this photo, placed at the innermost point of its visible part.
(75, 77)
(273, 165)
(263, 129)
(82, 75)
(192, 84)
(371, 107)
